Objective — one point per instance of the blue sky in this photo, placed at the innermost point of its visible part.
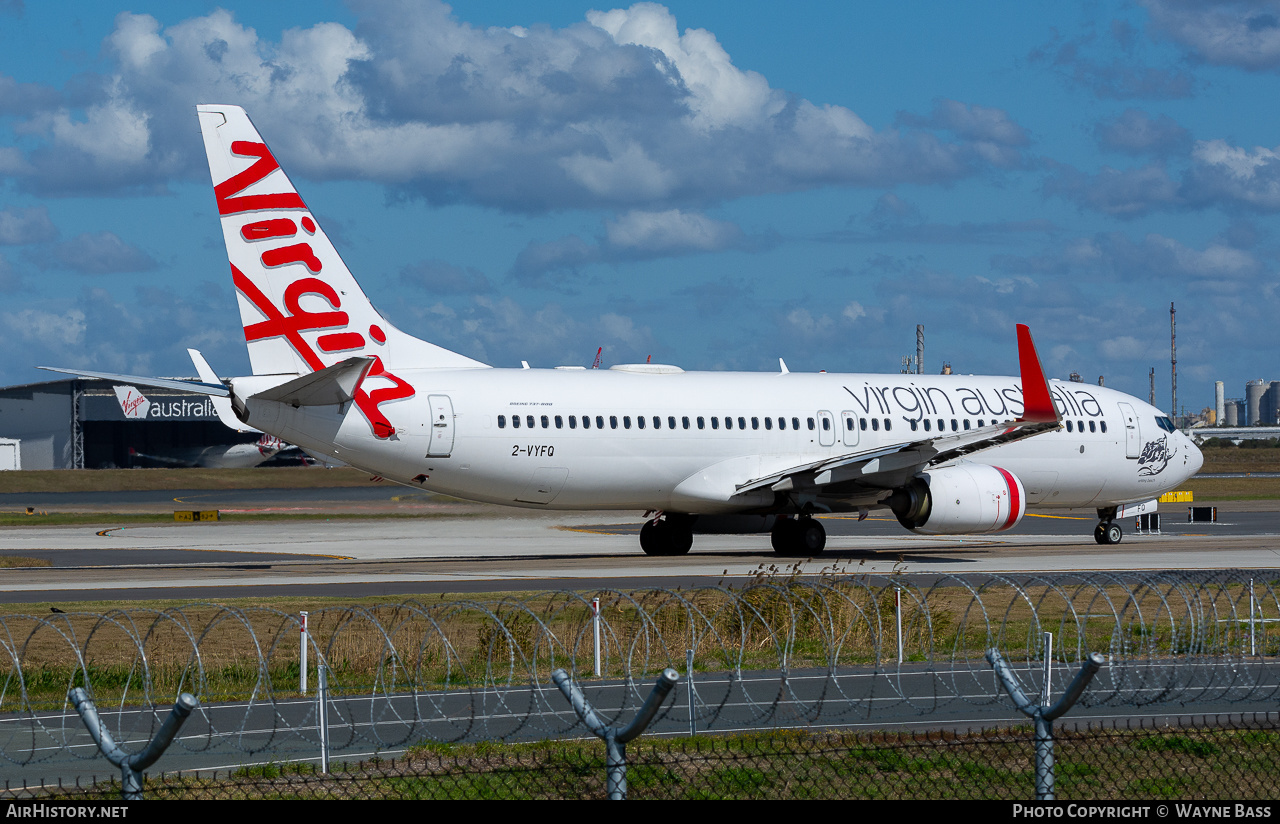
(712, 184)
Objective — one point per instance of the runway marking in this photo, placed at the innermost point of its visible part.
(1060, 517)
(602, 529)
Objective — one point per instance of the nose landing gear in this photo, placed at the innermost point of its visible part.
(1107, 531)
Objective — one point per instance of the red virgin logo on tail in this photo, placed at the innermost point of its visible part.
(289, 326)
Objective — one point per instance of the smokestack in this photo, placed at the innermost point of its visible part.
(1219, 402)
(1173, 358)
(1152, 399)
(919, 349)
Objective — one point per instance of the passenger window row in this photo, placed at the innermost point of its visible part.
(658, 422)
(741, 422)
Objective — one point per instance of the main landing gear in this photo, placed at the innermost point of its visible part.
(670, 535)
(1107, 531)
(802, 537)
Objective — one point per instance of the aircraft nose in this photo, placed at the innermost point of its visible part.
(1195, 458)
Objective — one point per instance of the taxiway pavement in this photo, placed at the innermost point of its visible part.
(449, 546)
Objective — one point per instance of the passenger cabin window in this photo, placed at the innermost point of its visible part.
(684, 421)
(528, 419)
(715, 422)
(755, 423)
(559, 422)
(639, 421)
(702, 422)
(613, 421)
(728, 422)
(1103, 424)
(768, 423)
(913, 426)
(782, 423)
(671, 422)
(887, 425)
(742, 422)
(826, 424)
(502, 421)
(811, 427)
(515, 421)
(586, 421)
(573, 421)
(1068, 426)
(626, 421)
(600, 422)
(926, 425)
(795, 424)
(1093, 426)
(545, 423)
(875, 424)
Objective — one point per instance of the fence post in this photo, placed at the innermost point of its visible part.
(131, 766)
(595, 631)
(688, 674)
(1043, 718)
(322, 716)
(615, 741)
(897, 609)
(1253, 626)
(302, 654)
(1048, 668)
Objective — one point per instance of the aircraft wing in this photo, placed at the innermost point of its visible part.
(887, 460)
(890, 463)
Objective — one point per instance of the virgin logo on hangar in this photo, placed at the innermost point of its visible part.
(127, 403)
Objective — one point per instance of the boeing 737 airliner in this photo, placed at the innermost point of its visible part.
(947, 454)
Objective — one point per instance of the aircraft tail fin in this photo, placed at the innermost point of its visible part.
(300, 306)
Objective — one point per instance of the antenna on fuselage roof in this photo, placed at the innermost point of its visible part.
(595, 364)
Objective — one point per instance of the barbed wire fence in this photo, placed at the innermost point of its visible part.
(778, 652)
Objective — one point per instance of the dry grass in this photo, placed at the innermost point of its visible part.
(1234, 489)
(1231, 459)
(136, 480)
(14, 561)
(453, 643)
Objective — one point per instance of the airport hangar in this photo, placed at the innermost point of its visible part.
(93, 424)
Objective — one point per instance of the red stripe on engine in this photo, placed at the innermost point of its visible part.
(1015, 503)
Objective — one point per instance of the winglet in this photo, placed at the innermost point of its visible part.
(1038, 403)
(220, 405)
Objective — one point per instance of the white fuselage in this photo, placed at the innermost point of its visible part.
(518, 437)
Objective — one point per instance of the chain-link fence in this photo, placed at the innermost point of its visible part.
(1217, 758)
(778, 651)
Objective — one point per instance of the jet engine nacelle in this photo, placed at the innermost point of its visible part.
(960, 500)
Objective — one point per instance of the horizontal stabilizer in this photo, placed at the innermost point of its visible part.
(217, 390)
(332, 385)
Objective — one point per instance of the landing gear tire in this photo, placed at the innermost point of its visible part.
(798, 537)
(1108, 533)
(666, 538)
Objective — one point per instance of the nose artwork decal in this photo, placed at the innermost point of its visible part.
(1155, 457)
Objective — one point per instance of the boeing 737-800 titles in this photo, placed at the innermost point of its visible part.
(947, 454)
